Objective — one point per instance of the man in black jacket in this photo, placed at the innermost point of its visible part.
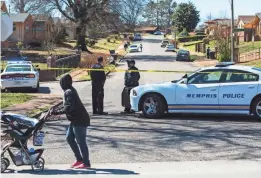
(98, 80)
(80, 120)
(131, 80)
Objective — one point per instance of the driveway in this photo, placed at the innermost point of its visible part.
(117, 138)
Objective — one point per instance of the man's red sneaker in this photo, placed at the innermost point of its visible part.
(83, 166)
(77, 163)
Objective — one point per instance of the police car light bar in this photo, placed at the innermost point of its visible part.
(224, 64)
(19, 62)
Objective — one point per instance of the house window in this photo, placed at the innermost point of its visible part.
(14, 27)
(27, 29)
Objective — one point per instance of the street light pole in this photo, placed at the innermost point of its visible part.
(232, 31)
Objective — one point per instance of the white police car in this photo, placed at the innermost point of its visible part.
(225, 88)
(20, 74)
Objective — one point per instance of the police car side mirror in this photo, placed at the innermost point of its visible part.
(185, 76)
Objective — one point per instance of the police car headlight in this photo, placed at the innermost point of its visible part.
(134, 93)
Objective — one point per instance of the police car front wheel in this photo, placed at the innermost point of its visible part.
(257, 108)
(153, 106)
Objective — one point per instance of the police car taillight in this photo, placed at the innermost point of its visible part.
(5, 76)
(30, 76)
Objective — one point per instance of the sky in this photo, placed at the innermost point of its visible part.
(218, 8)
(221, 8)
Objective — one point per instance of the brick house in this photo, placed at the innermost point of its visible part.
(22, 29)
(241, 22)
(42, 28)
(253, 28)
(212, 25)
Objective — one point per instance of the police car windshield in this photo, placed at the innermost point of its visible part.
(18, 68)
(188, 76)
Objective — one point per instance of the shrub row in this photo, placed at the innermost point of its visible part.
(191, 38)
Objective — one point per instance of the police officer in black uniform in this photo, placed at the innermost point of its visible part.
(131, 80)
(98, 80)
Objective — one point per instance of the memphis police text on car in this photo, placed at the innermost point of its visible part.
(225, 88)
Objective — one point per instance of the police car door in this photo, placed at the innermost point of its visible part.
(200, 94)
(237, 89)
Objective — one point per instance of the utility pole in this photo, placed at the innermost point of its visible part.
(232, 31)
(157, 13)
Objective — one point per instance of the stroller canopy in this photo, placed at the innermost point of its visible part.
(20, 119)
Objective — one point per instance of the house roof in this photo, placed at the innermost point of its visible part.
(21, 17)
(146, 29)
(246, 18)
(41, 17)
(258, 14)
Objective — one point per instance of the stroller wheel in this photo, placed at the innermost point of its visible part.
(4, 164)
(38, 165)
(7, 162)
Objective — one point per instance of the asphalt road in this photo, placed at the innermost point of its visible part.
(117, 138)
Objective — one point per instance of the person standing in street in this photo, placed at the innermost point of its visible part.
(79, 121)
(141, 47)
(208, 53)
(98, 78)
(131, 80)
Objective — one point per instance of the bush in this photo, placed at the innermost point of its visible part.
(34, 44)
(206, 40)
(191, 38)
(108, 40)
(19, 45)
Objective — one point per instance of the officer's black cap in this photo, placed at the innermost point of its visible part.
(131, 61)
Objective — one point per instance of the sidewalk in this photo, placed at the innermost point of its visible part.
(196, 169)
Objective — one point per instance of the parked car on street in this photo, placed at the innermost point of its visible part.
(222, 89)
(183, 55)
(170, 47)
(137, 37)
(158, 33)
(134, 48)
(20, 74)
(164, 43)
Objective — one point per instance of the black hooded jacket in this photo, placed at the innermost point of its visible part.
(131, 79)
(72, 105)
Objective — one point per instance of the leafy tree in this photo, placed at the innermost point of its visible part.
(186, 16)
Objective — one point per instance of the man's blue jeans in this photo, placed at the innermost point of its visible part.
(76, 135)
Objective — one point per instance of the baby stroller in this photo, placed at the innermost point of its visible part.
(21, 129)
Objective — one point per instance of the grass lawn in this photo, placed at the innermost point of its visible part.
(8, 99)
(249, 46)
(256, 63)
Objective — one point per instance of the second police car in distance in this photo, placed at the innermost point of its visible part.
(224, 88)
(20, 74)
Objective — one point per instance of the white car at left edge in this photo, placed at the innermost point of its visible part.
(222, 89)
(20, 74)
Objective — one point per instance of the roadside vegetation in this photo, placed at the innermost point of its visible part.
(9, 99)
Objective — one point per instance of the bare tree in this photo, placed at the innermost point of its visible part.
(31, 6)
(209, 16)
(128, 10)
(82, 12)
